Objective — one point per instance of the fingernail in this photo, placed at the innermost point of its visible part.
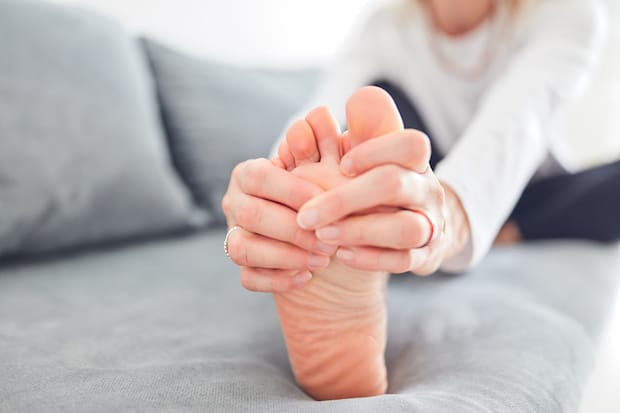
(302, 278)
(328, 233)
(318, 261)
(346, 166)
(326, 248)
(308, 218)
(345, 254)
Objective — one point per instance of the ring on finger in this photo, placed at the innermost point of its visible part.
(431, 224)
(230, 231)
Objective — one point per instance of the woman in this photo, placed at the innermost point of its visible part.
(489, 82)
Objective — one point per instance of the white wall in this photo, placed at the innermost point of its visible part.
(595, 126)
(298, 33)
(281, 32)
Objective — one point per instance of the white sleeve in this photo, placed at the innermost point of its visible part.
(508, 138)
(355, 66)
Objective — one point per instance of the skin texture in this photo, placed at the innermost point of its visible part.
(508, 235)
(263, 198)
(335, 326)
(455, 18)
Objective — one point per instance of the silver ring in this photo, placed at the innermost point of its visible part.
(230, 231)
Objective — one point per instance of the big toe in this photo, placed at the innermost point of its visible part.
(371, 112)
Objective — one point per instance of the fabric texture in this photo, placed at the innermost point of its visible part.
(82, 154)
(166, 326)
(218, 115)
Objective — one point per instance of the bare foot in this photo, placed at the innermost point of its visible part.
(509, 234)
(335, 326)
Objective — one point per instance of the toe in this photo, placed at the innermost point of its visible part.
(302, 143)
(371, 112)
(326, 130)
(285, 156)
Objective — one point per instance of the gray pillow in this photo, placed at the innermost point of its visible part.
(82, 153)
(218, 115)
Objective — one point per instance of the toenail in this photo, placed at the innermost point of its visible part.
(308, 218)
(318, 261)
(346, 166)
(345, 254)
(326, 248)
(328, 233)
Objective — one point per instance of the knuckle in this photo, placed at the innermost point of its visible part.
(438, 194)
(238, 170)
(441, 229)
(248, 214)
(421, 142)
(226, 204)
(416, 147)
(390, 178)
(254, 175)
(408, 148)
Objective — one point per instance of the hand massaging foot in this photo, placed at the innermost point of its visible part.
(335, 325)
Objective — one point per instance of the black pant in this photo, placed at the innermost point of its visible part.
(585, 205)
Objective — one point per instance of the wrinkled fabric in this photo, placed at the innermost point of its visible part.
(166, 326)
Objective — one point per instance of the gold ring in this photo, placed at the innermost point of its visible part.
(230, 231)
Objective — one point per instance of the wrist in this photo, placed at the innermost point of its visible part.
(457, 229)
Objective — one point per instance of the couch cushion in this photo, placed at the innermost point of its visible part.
(82, 154)
(218, 115)
(166, 326)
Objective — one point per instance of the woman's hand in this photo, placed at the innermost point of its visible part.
(390, 170)
(273, 252)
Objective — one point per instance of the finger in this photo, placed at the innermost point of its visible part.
(385, 185)
(302, 143)
(286, 156)
(409, 148)
(400, 230)
(259, 177)
(419, 261)
(252, 250)
(267, 280)
(273, 220)
(326, 131)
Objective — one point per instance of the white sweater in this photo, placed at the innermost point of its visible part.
(499, 127)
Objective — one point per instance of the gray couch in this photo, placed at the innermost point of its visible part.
(115, 294)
